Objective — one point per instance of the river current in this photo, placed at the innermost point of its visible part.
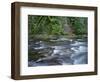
(60, 51)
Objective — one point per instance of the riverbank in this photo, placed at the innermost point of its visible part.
(54, 37)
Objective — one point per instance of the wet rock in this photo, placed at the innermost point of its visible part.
(50, 60)
(59, 51)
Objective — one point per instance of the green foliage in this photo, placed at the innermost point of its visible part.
(53, 25)
(79, 24)
(45, 25)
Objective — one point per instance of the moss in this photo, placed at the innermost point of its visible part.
(34, 56)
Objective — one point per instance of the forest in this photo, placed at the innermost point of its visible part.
(56, 25)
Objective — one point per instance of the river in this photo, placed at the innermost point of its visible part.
(61, 51)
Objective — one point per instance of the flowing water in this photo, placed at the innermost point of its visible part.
(60, 51)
